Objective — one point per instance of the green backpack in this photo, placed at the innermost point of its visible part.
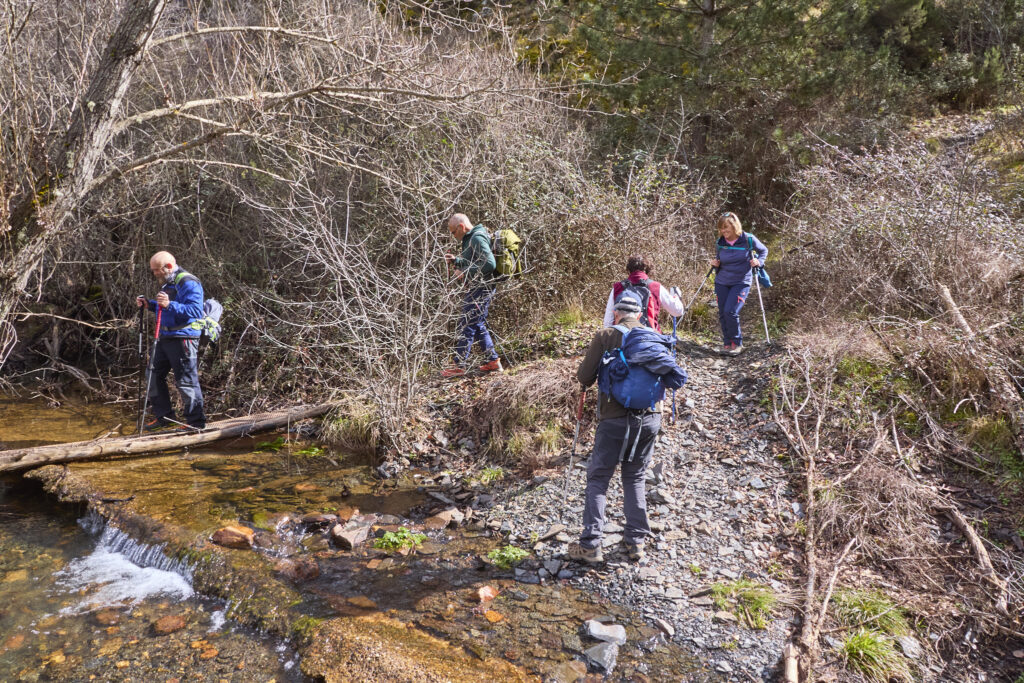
(506, 247)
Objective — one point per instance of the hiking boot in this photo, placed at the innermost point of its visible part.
(635, 552)
(578, 553)
(155, 424)
(736, 350)
(453, 371)
(726, 349)
(492, 366)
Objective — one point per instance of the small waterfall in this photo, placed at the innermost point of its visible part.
(121, 571)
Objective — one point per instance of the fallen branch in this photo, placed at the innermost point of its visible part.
(1002, 591)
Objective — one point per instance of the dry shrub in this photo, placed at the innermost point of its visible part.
(523, 414)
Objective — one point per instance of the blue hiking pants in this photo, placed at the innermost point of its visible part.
(180, 354)
(730, 300)
(608, 441)
(474, 324)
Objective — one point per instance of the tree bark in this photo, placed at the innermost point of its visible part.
(26, 458)
(43, 214)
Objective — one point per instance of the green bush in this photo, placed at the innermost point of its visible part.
(403, 539)
(507, 556)
(874, 656)
(753, 602)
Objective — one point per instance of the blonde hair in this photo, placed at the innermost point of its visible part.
(731, 219)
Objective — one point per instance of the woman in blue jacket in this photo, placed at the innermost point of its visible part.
(737, 254)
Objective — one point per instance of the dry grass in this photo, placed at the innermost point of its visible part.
(524, 414)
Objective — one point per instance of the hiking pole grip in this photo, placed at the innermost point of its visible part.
(156, 330)
(579, 405)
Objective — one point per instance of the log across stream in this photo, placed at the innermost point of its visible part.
(26, 458)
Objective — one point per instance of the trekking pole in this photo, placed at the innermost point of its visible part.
(149, 368)
(676, 353)
(757, 284)
(575, 441)
(694, 297)
(142, 356)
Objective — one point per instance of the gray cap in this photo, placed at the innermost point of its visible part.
(628, 302)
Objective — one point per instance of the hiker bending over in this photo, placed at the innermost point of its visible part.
(737, 254)
(653, 297)
(625, 436)
(181, 302)
(476, 266)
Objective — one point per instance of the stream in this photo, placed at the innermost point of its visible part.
(84, 601)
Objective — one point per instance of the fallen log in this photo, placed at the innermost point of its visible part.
(26, 458)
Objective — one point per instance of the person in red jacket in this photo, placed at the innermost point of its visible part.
(653, 296)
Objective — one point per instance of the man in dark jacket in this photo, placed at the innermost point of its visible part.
(612, 430)
(476, 266)
(181, 302)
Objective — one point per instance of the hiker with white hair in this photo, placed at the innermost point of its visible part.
(179, 305)
(474, 268)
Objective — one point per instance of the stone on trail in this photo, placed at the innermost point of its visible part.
(665, 627)
(602, 657)
(567, 672)
(610, 633)
(450, 517)
(169, 624)
(661, 496)
(725, 617)
(552, 531)
(350, 535)
(238, 537)
(610, 540)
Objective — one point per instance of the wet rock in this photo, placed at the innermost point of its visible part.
(521, 596)
(13, 643)
(238, 537)
(362, 602)
(271, 521)
(602, 657)
(388, 519)
(552, 566)
(487, 593)
(350, 535)
(610, 633)
(319, 519)
(305, 487)
(567, 672)
(107, 617)
(168, 624)
(450, 517)
(298, 570)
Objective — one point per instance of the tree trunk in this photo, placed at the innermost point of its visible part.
(44, 213)
(27, 458)
(708, 22)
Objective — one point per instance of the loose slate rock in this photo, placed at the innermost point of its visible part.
(610, 633)
(911, 648)
(602, 657)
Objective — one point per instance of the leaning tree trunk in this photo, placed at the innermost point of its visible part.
(44, 214)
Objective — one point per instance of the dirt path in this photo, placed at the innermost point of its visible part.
(719, 498)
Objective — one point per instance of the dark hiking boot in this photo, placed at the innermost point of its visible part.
(578, 553)
(492, 366)
(155, 424)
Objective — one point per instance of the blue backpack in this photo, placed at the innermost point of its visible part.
(637, 373)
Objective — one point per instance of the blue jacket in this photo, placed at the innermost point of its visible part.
(186, 307)
(655, 352)
(735, 259)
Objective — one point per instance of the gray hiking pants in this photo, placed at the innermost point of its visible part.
(607, 446)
